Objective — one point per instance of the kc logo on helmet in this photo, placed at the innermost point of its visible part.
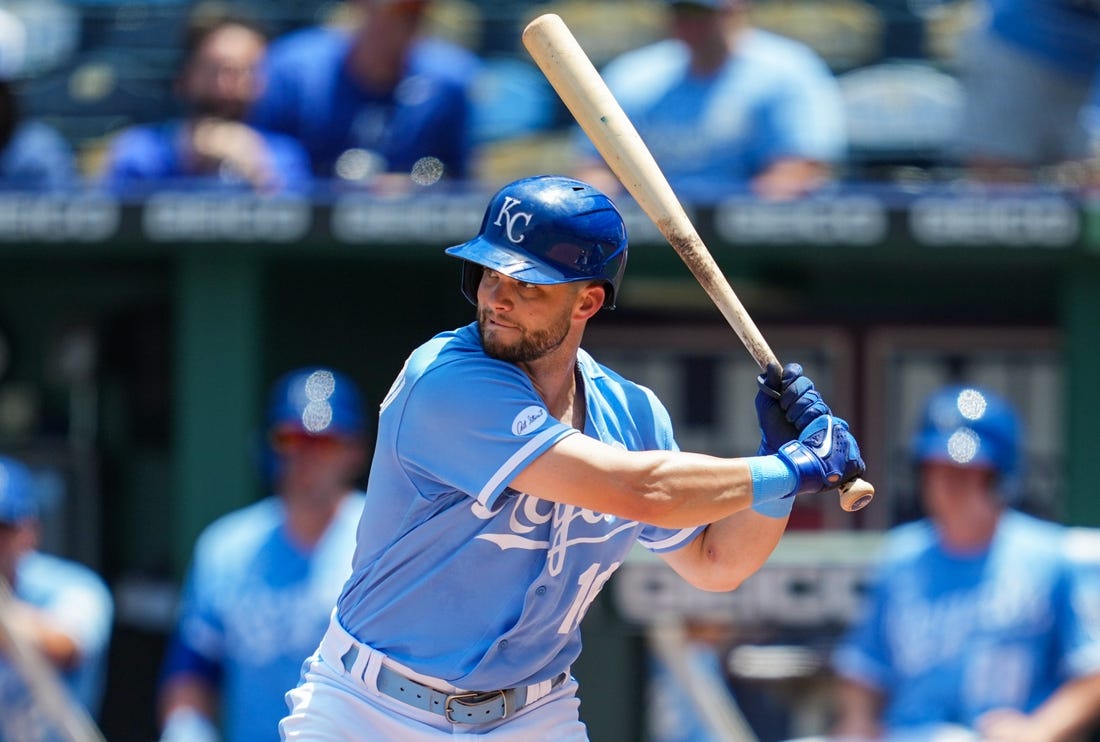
(510, 221)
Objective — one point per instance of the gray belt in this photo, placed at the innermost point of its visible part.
(477, 707)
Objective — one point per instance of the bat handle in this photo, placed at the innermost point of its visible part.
(856, 495)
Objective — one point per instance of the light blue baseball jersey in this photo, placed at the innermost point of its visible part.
(948, 638)
(772, 98)
(255, 605)
(77, 601)
(457, 575)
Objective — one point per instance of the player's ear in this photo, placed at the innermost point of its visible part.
(591, 298)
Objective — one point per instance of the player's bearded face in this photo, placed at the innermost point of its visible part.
(522, 344)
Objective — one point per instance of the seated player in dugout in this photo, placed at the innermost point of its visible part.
(54, 607)
(513, 474)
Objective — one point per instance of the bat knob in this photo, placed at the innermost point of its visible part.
(856, 495)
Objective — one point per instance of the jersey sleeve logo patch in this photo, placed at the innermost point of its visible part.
(529, 420)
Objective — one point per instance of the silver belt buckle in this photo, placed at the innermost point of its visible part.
(461, 699)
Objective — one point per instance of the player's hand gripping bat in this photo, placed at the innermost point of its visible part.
(579, 85)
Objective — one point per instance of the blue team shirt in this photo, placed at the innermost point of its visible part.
(148, 156)
(773, 98)
(947, 638)
(1065, 33)
(78, 601)
(255, 605)
(457, 575)
(38, 157)
(311, 96)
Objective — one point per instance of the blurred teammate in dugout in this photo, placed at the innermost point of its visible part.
(263, 579)
(58, 609)
(983, 622)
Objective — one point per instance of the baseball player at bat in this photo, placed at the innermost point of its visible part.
(512, 475)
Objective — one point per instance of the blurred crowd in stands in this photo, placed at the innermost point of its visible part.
(779, 97)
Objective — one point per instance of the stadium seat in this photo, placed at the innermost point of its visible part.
(900, 115)
(99, 92)
(846, 33)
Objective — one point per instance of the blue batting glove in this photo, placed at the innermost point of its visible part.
(826, 455)
(786, 402)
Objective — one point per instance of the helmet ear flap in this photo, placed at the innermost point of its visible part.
(471, 279)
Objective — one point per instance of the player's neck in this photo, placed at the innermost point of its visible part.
(308, 518)
(560, 387)
(970, 536)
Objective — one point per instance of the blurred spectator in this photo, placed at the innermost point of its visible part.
(59, 607)
(723, 105)
(1090, 117)
(33, 155)
(218, 82)
(375, 99)
(264, 579)
(981, 618)
(1026, 71)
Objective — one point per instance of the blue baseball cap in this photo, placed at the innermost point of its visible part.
(969, 426)
(17, 493)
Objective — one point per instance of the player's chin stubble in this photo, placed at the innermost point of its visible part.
(531, 345)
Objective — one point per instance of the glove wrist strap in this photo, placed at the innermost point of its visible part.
(804, 467)
(773, 480)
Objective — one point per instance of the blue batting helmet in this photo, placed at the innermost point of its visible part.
(18, 501)
(318, 401)
(547, 229)
(969, 426)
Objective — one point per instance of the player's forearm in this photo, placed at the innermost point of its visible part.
(670, 489)
(858, 708)
(1068, 714)
(58, 647)
(687, 489)
(37, 628)
(186, 691)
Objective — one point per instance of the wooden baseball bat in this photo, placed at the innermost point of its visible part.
(572, 74)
